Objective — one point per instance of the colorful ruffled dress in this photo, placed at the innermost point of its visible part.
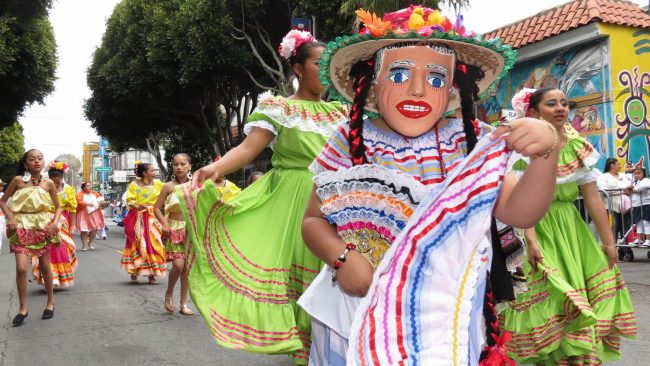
(144, 251)
(89, 215)
(576, 309)
(175, 243)
(63, 259)
(31, 209)
(420, 212)
(248, 263)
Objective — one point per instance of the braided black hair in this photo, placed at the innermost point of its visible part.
(465, 79)
(362, 72)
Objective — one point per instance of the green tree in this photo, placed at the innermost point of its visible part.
(12, 148)
(168, 64)
(27, 56)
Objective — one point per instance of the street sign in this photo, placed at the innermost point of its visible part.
(301, 24)
(103, 168)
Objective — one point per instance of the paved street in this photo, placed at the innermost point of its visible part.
(104, 320)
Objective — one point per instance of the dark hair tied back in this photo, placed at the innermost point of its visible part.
(362, 72)
(20, 169)
(140, 169)
(537, 95)
(466, 78)
(303, 51)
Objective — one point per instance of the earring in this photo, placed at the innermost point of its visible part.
(27, 176)
(299, 77)
(189, 176)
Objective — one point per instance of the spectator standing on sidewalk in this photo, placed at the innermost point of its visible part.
(615, 182)
(640, 191)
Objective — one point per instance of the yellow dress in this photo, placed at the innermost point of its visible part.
(63, 259)
(228, 191)
(144, 252)
(175, 243)
(31, 209)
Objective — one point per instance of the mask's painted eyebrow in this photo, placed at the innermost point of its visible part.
(401, 63)
(437, 68)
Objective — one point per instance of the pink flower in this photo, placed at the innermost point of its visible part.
(292, 41)
(520, 102)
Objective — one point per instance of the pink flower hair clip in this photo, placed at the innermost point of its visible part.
(521, 102)
(292, 41)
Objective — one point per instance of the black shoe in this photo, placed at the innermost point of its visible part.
(48, 314)
(19, 319)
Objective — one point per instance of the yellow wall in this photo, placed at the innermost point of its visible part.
(629, 51)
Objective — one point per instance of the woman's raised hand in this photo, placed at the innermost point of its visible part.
(207, 172)
(529, 136)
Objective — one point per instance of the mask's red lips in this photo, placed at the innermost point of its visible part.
(414, 109)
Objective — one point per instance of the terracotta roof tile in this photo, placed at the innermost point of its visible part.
(570, 16)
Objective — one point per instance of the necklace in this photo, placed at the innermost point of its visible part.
(37, 183)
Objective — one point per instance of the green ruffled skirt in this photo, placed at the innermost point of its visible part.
(248, 263)
(576, 309)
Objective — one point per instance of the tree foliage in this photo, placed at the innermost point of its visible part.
(27, 56)
(12, 148)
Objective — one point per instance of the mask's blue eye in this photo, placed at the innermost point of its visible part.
(398, 75)
(436, 80)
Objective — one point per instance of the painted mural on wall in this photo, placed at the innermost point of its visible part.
(580, 72)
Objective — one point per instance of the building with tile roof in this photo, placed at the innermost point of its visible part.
(598, 53)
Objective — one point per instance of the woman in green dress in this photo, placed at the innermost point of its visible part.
(577, 305)
(247, 261)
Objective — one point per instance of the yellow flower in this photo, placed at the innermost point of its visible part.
(59, 165)
(416, 20)
(137, 162)
(435, 18)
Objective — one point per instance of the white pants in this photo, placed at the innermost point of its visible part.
(643, 227)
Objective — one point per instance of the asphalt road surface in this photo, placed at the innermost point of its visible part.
(105, 320)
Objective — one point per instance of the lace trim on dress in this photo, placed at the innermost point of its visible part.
(248, 127)
(292, 116)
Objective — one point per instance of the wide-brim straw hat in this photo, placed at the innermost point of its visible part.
(491, 56)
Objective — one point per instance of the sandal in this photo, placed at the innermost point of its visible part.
(185, 310)
(152, 280)
(169, 304)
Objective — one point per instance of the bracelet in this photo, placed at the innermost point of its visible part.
(556, 139)
(341, 259)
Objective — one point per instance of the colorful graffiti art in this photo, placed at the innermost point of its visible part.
(633, 123)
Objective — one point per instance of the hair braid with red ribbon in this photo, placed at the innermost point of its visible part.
(362, 72)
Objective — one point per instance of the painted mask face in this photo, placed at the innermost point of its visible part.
(635, 111)
(412, 88)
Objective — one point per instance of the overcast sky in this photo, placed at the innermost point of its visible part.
(59, 126)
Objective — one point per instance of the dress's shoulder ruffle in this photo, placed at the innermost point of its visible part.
(318, 117)
(577, 160)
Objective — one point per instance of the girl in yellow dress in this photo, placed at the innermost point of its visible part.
(63, 259)
(144, 253)
(174, 233)
(30, 228)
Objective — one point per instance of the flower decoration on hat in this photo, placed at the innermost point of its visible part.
(138, 162)
(419, 19)
(293, 40)
(58, 165)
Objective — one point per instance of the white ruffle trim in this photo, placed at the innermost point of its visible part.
(298, 121)
(248, 127)
(370, 171)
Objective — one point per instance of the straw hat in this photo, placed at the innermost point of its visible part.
(414, 24)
